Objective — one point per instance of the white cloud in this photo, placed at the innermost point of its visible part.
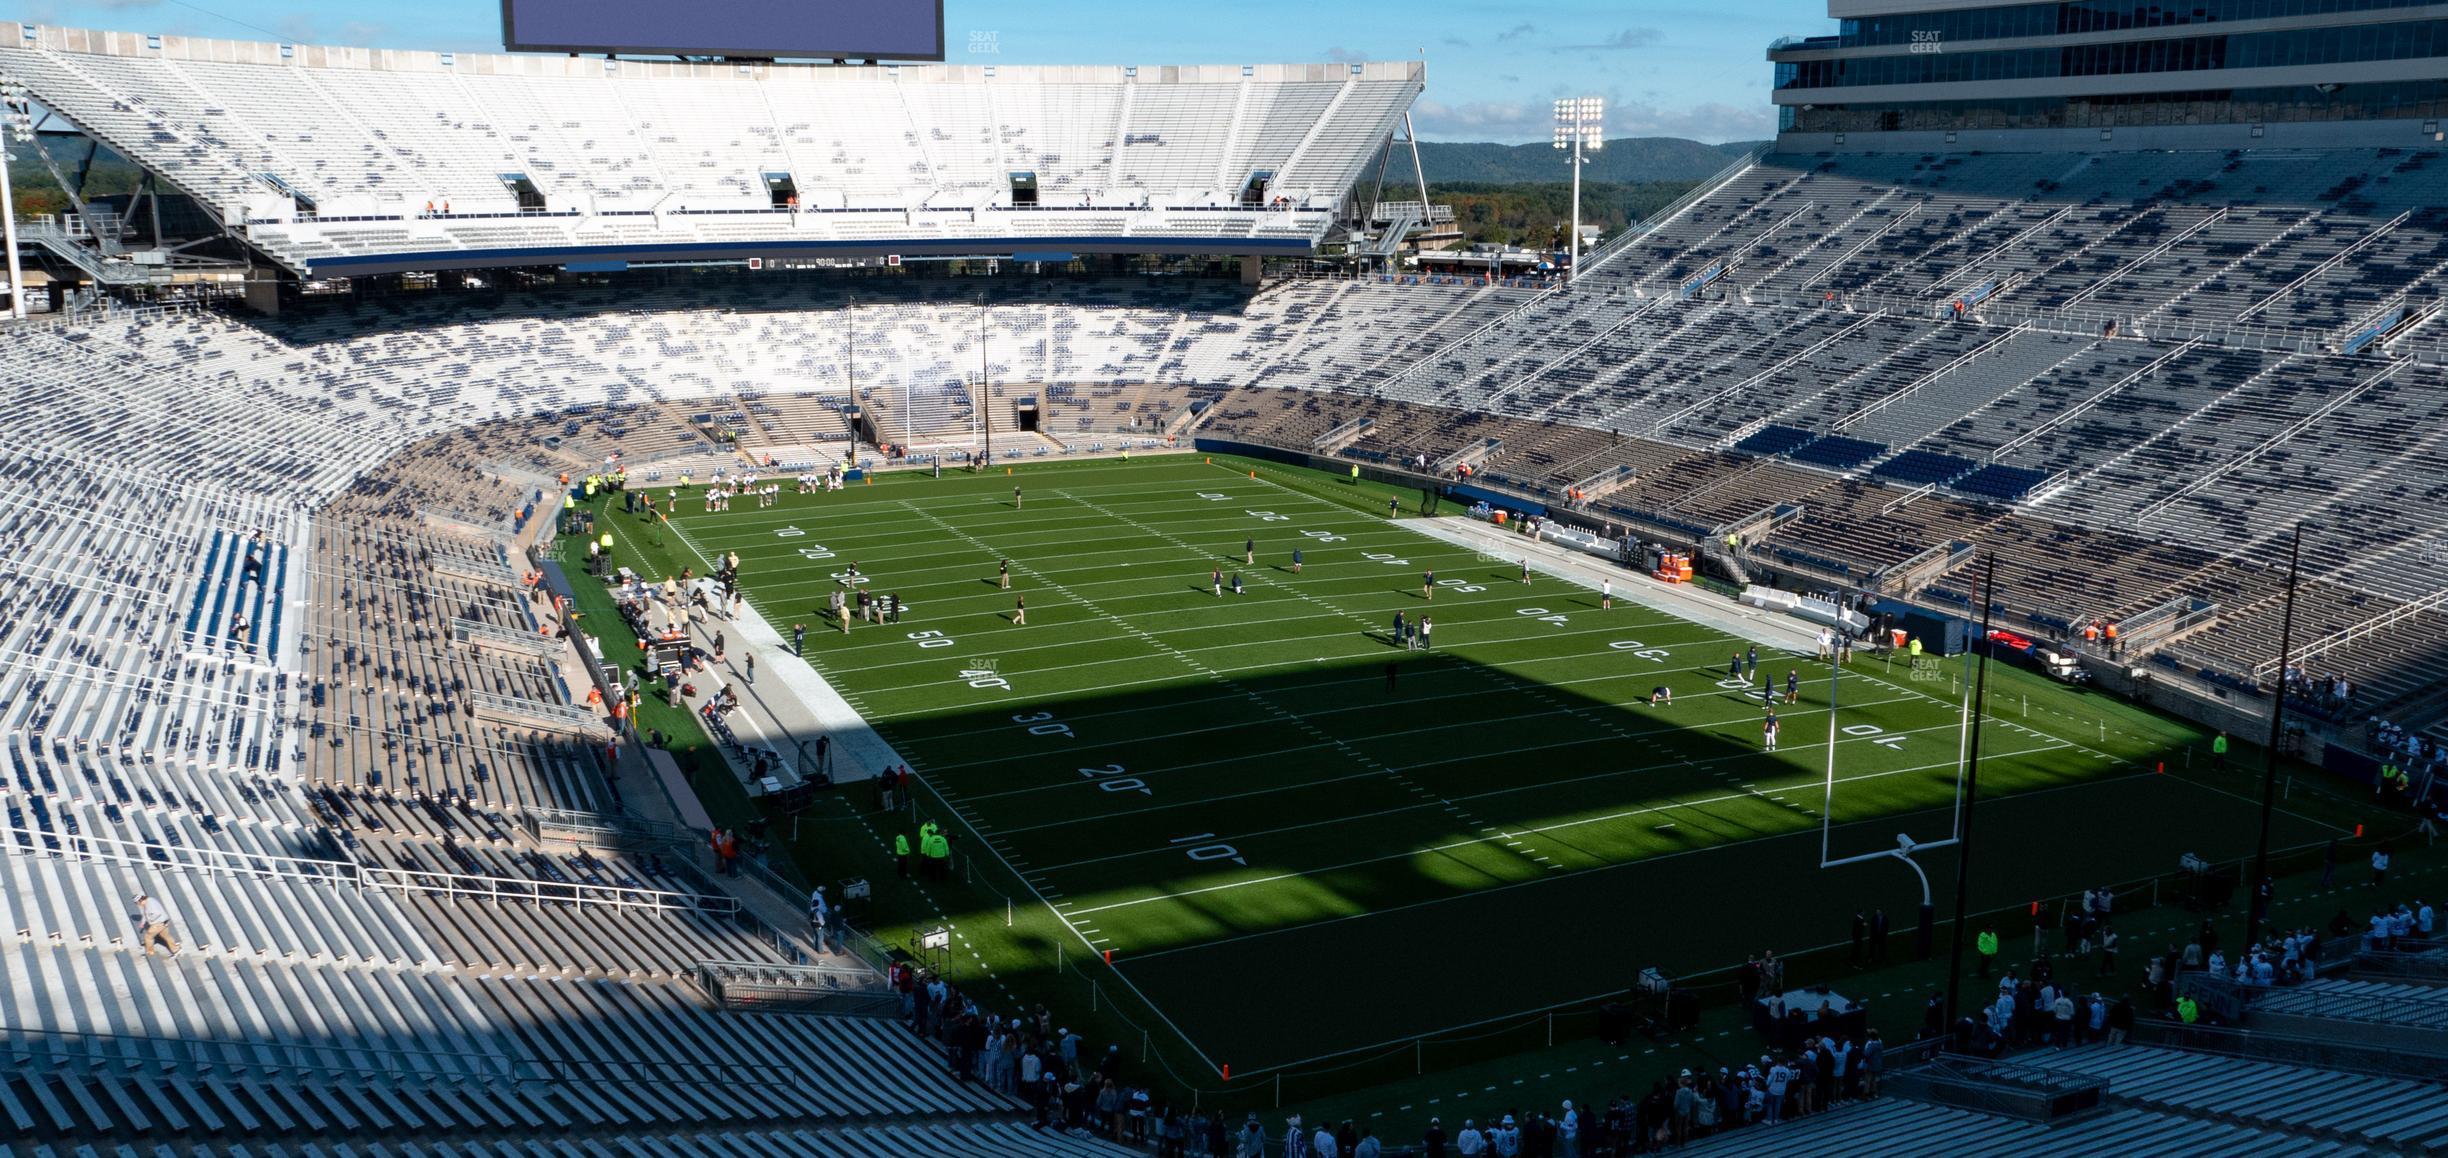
(1621, 40)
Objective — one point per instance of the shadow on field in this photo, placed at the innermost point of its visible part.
(1457, 846)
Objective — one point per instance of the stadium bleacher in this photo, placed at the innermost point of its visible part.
(352, 162)
(372, 944)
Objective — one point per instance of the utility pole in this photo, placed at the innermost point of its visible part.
(985, 388)
(850, 319)
(1971, 794)
(2269, 775)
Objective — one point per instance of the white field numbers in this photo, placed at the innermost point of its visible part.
(1116, 778)
(1044, 724)
(1211, 851)
(932, 639)
(813, 554)
(1543, 615)
(1641, 650)
(1875, 735)
(1108, 777)
(984, 679)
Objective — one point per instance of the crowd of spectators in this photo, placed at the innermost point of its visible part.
(2330, 693)
(2412, 766)
(2033, 1006)
(1071, 1086)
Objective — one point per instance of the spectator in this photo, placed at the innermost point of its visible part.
(152, 922)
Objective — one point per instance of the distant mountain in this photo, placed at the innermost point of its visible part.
(1632, 159)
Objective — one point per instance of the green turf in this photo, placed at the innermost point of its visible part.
(1225, 793)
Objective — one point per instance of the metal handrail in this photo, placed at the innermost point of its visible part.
(157, 855)
(2231, 1000)
(830, 978)
(458, 886)
(2394, 1062)
(431, 882)
(2352, 632)
(626, 825)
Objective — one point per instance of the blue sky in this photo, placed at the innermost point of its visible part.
(1680, 68)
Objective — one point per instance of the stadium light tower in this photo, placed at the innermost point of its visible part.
(1580, 125)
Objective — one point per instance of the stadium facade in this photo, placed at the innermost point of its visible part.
(2116, 74)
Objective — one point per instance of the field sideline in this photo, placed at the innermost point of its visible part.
(1235, 797)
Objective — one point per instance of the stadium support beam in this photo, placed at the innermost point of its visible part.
(1385, 159)
(1253, 269)
(8, 236)
(1418, 173)
(74, 187)
(262, 287)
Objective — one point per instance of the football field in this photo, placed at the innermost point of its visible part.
(1260, 803)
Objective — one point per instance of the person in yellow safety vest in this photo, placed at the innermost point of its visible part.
(1913, 647)
(2218, 752)
(2188, 1010)
(901, 851)
(1988, 945)
(938, 852)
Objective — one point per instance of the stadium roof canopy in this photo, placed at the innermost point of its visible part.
(349, 161)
